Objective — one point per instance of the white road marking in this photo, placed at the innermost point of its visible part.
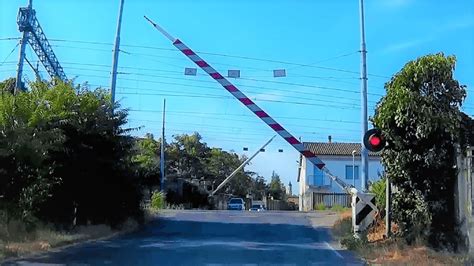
(335, 251)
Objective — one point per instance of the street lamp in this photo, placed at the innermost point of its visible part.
(353, 167)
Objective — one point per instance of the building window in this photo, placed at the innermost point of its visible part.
(318, 177)
(349, 172)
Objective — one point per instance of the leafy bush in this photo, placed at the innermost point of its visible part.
(338, 208)
(378, 188)
(320, 207)
(412, 215)
(65, 148)
(158, 200)
(420, 118)
(353, 243)
(342, 227)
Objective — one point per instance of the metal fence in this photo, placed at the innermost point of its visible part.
(280, 205)
(331, 199)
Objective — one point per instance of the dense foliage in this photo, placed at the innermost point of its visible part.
(66, 156)
(420, 119)
(146, 157)
(189, 158)
(202, 169)
(378, 188)
(64, 153)
(276, 188)
(158, 200)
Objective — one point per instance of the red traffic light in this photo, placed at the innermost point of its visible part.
(374, 140)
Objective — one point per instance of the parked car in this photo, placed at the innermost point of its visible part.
(257, 208)
(236, 204)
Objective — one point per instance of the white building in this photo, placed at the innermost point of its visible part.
(339, 160)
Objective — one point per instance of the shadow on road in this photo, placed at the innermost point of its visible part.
(175, 242)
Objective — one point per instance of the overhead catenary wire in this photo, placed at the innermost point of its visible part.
(161, 48)
(312, 65)
(247, 115)
(246, 122)
(212, 96)
(266, 93)
(373, 103)
(295, 75)
(248, 86)
(258, 87)
(245, 86)
(150, 57)
(235, 137)
(9, 54)
(328, 59)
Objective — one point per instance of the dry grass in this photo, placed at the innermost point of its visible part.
(343, 225)
(380, 251)
(400, 254)
(377, 232)
(44, 238)
(346, 214)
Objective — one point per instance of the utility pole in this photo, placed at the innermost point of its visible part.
(353, 168)
(162, 154)
(113, 79)
(24, 41)
(363, 99)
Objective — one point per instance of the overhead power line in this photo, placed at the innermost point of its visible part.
(318, 94)
(212, 96)
(9, 54)
(236, 134)
(248, 115)
(311, 65)
(205, 133)
(247, 122)
(330, 100)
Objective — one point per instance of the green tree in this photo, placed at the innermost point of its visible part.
(63, 147)
(27, 139)
(420, 119)
(276, 188)
(221, 164)
(259, 188)
(187, 156)
(147, 157)
(8, 85)
(241, 184)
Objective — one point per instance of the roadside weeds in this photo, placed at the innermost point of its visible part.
(22, 243)
(378, 251)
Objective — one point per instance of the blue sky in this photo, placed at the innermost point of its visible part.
(312, 102)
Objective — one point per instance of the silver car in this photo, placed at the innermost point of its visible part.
(257, 208)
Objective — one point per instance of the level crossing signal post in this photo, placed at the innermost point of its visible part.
(363, 204)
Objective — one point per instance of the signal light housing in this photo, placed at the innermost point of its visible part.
(374, 140)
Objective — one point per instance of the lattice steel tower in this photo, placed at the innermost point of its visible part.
(33, 34)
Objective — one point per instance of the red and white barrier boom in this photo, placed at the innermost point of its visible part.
(252, 107)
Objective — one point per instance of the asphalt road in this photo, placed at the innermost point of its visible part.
(213, 238)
